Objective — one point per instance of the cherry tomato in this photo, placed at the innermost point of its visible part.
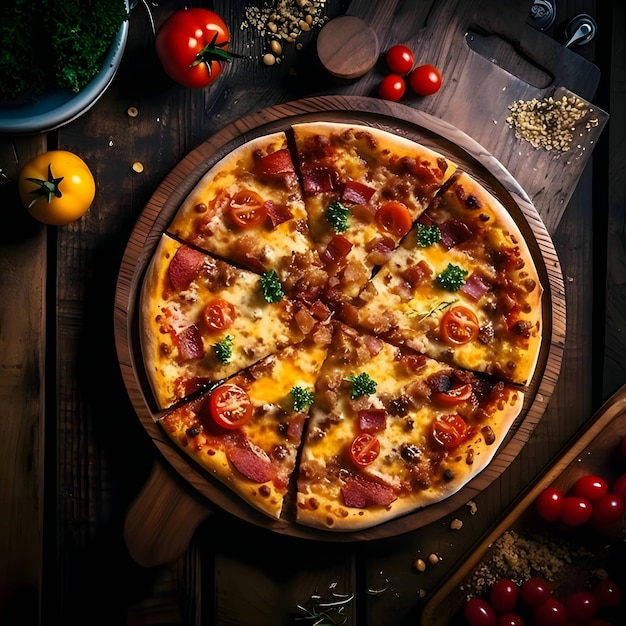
(364, 449)
(590, 487)
(230, 406)
(453, 396)
(550, 612)
(247, 208)
(478, 612)
(394, 217)
(535, 590)
(400, 59)
(549, 504)
(619, 486)
(576, 511)
(56, 187)
(425, 80)
(503, 595)
(581, 606)
(510, 619)
(449, 430)
(192, 45)
(219, 314)
(392, 87)
(459, 325)
(608, 593)
(608, 509)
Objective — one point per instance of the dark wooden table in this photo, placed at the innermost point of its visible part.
(73, 455)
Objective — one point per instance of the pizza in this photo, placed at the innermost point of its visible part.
(339, 325)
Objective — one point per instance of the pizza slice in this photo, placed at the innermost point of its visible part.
(391, 431)
(462, 287)
(248, 210)
(246, 432)
(363, 189)
(203, 320)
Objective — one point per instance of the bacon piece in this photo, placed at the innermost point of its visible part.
(358, 492)
(475, 287)
(278, 213)
(380, 250)
(372, 420)
(414, 275)
(251, 461)
(357, 192)
(295, 427)
(275, 164)
(184, 267)
(304, 320)
(189, 342)
(320, 179)
(454, 232)
(336, 250)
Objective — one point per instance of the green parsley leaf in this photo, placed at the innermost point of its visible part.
(428, 235)
(272, 289)
(302, 398)
(362, 385)
(337, 216)
(224, 349)
(452, 278)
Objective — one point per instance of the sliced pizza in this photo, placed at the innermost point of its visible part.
(391, 431)
(462, 287)
(363, 188)
(204, 319)
(246, 432)
(248, 209)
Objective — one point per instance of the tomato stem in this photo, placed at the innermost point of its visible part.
(213, 52)
(47, 189)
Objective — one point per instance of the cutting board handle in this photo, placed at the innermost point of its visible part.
(163, 518)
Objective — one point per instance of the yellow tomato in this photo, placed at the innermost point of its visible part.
(56, 187)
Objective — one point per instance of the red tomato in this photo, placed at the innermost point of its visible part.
(619, 487)
(394, 217)
(549, 504)
(425, 80)
(400, 59)
(590, 487)
(247, 208)
(550, 612)
(192, 44)
(608, 509)
(364, 449)
(503, 595)
(576, 511)
(219, 314)
(230, 406)
(459, 325)
(449, 430)
(534, 591)
(392, 87)
(478, 612)
(453, 396)
(608, 593)
(510, 619)
(581, 606)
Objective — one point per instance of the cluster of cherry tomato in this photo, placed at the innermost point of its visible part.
(590, 500)
(424, 80)
(533, 602)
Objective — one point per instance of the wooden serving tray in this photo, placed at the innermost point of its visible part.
(156, 512)
(593, 452)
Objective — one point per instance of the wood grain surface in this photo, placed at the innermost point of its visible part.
(74, 456)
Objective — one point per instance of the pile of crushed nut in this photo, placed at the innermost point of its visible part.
(549, 123)
(282, 22)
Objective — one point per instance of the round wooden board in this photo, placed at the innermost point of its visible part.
(400, 120)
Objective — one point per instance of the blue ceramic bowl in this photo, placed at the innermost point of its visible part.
(61, 107)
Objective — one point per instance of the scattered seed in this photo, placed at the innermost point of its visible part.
(132, 112)
(456, 524)
(433, 559)
(138, 167)
(419, 565)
